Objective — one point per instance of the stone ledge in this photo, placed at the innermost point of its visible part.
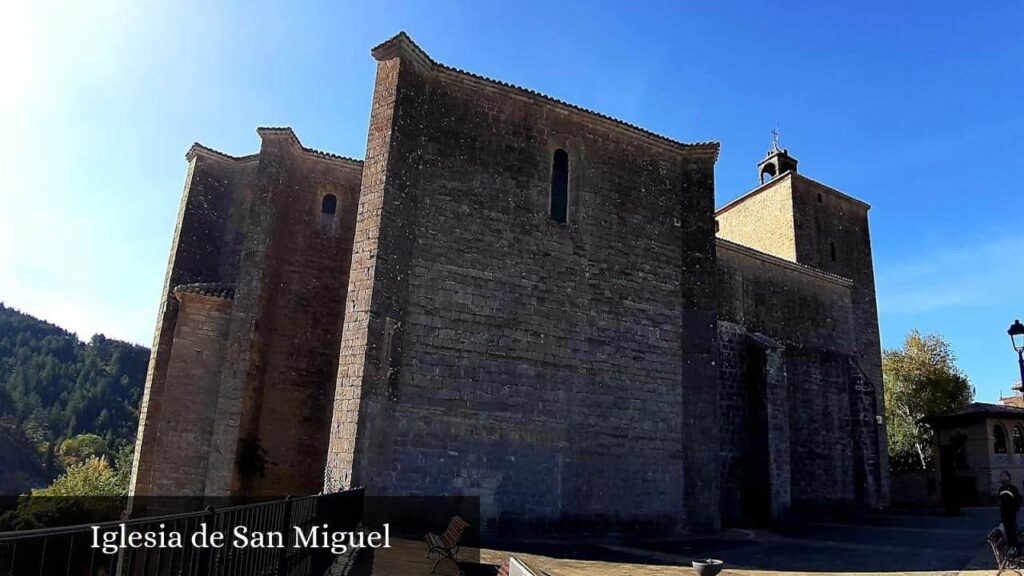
(402, 46)
(723, 244)
(218, 290)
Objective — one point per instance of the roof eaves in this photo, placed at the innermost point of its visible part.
(709, 147)
(751, 193)
(219, 290)
(753, 252)
(832, 190)
(198, 149)
(279, 131)
(402, 45)
(976, 410)
(287, 132)
(330, 155)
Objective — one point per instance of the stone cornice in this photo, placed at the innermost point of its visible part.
(216, 290)
(198, 150)
(723, 244)
(740, 199)
(289, 134)
(833, 191)
(402, 46)
(791, 175)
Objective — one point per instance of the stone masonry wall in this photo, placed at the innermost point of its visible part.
(360, 397)
(787, 302)
(762, 219)
(821, 448)
(443, 335)
(778, 424)
(867, 458)
(193, 379)
(242, 373)
(558, 371)
(755, 438)
(810, 313)
(206, 248)
(307, 275)
(827, 220)
(806, 222)
(736, 413)
(252, 224)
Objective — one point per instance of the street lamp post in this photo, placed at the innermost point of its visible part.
(1016, 333)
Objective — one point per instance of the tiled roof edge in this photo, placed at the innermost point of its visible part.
(287, 132)
(976, 410)
(787, 174)
(219, 290)
(401, 45)
(198, 149)
(832, 190)
(331, 155)
(796, 266)
(751, 193)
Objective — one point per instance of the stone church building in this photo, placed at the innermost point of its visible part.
(515, 298)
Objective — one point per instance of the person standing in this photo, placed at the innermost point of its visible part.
(1009, 504)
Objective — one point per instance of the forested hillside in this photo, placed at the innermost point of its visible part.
(54, 387)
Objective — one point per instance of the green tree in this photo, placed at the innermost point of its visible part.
(921, 380)
(78, 449)
(53, 387)
(123, 465)
(94, 477)
(90, 491)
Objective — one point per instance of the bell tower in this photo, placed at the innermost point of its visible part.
(777, 162)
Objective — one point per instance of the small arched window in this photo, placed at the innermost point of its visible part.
(999, 439)
(767, 173)
(819, 198)
(560, 186)
(832, 250)
(328, 206)
(1017, 436)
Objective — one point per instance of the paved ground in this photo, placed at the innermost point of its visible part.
(893, 543)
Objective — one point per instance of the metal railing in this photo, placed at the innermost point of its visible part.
(73, 550)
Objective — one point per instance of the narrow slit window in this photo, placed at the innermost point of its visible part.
(560, 186)
(328, 206)
(832, 250)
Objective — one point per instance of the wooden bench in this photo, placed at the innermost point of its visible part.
(446, 546)
(1006, 558)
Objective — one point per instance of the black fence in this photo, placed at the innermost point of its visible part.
(187, 544)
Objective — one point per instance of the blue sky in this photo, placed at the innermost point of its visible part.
(914, 107)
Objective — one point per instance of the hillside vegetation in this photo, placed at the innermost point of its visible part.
(55, 388)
